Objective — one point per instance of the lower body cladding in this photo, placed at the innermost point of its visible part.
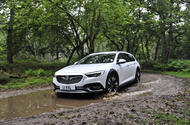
(88, 88)
(85, 85)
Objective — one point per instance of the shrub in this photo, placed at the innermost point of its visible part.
(3, 79)
(179, 65)
(37, 73)
(21, 67)
(160, 66)
(173, 65)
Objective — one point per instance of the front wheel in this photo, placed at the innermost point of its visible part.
(137, 76)
(112, 84)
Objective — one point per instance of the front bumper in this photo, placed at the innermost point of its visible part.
(86, 85)
(78, 89)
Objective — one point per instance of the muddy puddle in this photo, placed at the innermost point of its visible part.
(38, 103)
(45, 101)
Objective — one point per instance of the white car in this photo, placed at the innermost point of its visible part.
(97, 72)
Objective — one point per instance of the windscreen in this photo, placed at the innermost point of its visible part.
(99, 58)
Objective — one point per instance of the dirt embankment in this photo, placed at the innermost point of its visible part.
(158, 99)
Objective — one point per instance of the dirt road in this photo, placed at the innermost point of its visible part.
(158, 99)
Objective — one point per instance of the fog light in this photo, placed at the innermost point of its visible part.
(93, 86)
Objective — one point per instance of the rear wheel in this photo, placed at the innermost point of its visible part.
(112, 84)
(137, 76)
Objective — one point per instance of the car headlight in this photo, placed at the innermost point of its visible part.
(94, 74)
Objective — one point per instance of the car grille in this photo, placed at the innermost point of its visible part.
(69, 79)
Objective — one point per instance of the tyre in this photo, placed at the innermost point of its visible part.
(137, 76)
(112, 84)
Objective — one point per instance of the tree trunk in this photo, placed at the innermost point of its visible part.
(57, 55)
(170, 41)
(156, 49)
(171, 37)
(144, 57)
(91, 46)
(10, 38)
(70, 56)
(147, 49)
(137, 45)
(128, 45)
(164, 47)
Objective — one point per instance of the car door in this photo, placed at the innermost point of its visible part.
(132, 65)
(124, 69)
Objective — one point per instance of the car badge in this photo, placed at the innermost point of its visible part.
(66, 77)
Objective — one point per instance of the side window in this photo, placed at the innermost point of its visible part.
(131, 58)
(127, 57)
(121, 56)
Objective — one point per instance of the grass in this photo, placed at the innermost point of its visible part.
(26, 74)
(166, 118)
(28, 78)
(25, 82)
(146, 93)
(129, 116)
(172, 73)
(178, 74)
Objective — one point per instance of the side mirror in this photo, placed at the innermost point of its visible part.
(121, 61)
(75, 63)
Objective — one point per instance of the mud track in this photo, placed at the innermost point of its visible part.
(134, 104)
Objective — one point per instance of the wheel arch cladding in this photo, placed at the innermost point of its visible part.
(138, 68)
(113, 72)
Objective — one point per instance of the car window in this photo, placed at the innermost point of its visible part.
(99, 58)
(121, 56)
(127, 57)
(131, 57)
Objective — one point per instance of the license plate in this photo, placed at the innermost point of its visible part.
(65, 87)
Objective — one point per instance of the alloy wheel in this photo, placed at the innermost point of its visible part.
(112, 84)
(138, 76)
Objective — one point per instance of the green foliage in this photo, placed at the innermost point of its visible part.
(166, 118)
(173, 65)
(59, 29)
(179, 65)
(2, 46)
(21, 67)
(31, 81)
(179, 74)
(37, 73)
(3, 78)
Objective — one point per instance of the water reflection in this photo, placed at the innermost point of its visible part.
(39, 102)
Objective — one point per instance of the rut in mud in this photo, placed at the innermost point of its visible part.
(44, 101)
